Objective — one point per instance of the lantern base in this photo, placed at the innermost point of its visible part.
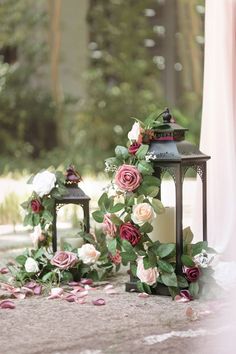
(161, 289)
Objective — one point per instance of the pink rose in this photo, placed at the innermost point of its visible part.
(192, 273)
(128, 178)
(108, 227)
(130, 233)
(64, 260)
(116, 259)
(148, 276)
(133, 148)
(142, 213)
(36, 206)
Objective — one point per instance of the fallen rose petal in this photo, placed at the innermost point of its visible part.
(182, 299)
(186, 294)
(99, 302)
(27, 291)
(71, 298)
(82, 294)
(37, 289)
(19, 296)
(4, 270)
(82, 301)
(144, 295)
(191, 314)
(7, 304)
(55, 293)
(85, 281)
(31, 285)
(77, 289)
(108, 286)
(74, 283)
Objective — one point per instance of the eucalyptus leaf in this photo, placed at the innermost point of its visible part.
(122, 152)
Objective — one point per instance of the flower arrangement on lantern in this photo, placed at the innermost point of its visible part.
(127, 210)
(41, 264)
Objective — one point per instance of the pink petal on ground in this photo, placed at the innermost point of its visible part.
(55, 293)
(82, 294)
(27, 291)
(31, 285)
(85, 281)
(144, 295)
(99, 302)
(19, 296)
(74, 283)
(108, 286)
(191, 314)
(182, 299)
(38, 290)
(82, 301)
(4, 270)
(77, 289)
(7, 304)
(71, 298)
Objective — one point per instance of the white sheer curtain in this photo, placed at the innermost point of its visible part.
(218, 132)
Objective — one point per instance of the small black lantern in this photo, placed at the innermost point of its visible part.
(73, 195)
(171, 153)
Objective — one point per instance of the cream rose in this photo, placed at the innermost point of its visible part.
(43, 183)
(135, 133)
(88, 254)
(148, 276)
(142, 213)
(31, 266)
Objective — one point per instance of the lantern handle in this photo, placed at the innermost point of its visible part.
(166, 115)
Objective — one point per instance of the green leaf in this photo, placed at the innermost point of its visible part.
(47, 216)
(116, 207)
(36, 219)
(145, 167)
(165, 266)
(47, 276)
(198, 247)
(140, 287)
(182, 282)
(28, 220)
(116, 220)
(130, 200)
(113, 161)
(187, 261)
(48, 203)
(147, 288)
(151, 181)
(158, 206)
(146, 263)
(165, 249)
(173, 291)
(67, 276)
(39, 253)
(187, 235)
(127, 257)
(21, 259)
(146, 228)
(142, 151)
(112, 246)
(102, 200)
(194, 289)
(98, 216)
(169, 279)
(121, 152)
(133, 269)
(152, 258)
(127, 246)
(25, 205)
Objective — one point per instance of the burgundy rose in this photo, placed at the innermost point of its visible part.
(128, 178)
(192, 273)
(133, 148)
(36, 206)
(64, 260)
(130, 233)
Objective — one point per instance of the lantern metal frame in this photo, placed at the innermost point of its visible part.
(171, 153)
(74, 195)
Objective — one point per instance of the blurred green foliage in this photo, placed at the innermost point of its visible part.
(10, 210)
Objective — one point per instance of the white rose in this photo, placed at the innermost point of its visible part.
(36, 235)
(88, 254)
(148, 276)
(43, 183)
(31, 266)
(142, 213)
(134, 134)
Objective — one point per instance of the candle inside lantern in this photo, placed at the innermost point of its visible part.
(164, 228)
(75, 242)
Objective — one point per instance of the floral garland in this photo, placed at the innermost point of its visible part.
(40, 264)
(127, 210)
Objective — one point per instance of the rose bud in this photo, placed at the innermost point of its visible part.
(192, 273)
(133, 148)
(36, 206)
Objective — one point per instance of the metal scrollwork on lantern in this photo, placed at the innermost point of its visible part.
(73, 195)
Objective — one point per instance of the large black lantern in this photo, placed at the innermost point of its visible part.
(170, 152)
(73, 195)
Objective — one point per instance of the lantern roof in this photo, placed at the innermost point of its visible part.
(73, 194)
(168, 143)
